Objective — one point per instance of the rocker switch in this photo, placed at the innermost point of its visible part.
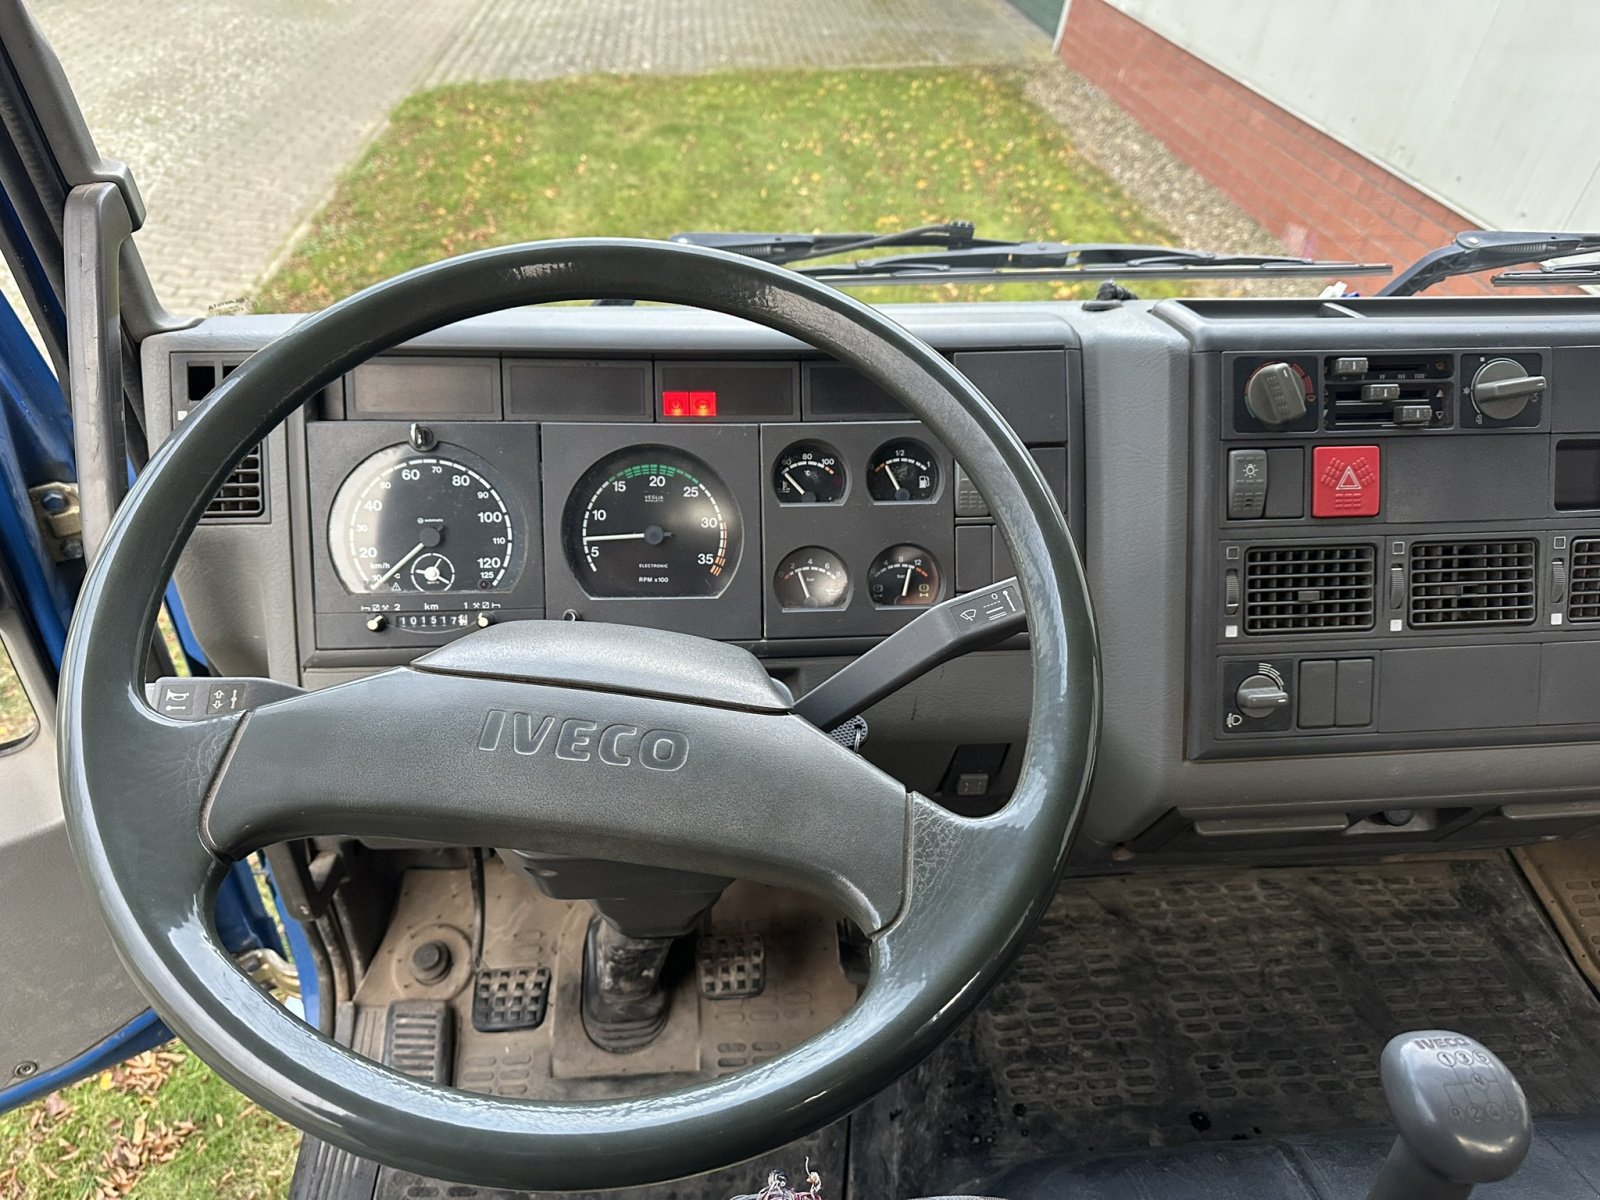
(1247, 484)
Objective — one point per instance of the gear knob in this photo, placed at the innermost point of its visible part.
(1462, 1117)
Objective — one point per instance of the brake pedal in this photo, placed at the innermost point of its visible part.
(505, 999)
(419, 1039)
(732, 968)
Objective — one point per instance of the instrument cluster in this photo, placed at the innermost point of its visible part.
(738, 531)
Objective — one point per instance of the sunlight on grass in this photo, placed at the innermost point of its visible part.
(160, 1125)
(468, 167)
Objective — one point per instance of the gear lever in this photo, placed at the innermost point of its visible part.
(1462, 1117)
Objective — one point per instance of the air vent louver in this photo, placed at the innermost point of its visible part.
(1312, 588)
(243, 496)
(1583, 597)
(1472, 583)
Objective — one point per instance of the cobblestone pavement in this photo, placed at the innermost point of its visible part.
(238, 115)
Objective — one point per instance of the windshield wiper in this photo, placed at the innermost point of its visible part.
(959, 256)
(785, 248)
(1486, 250)
(1007, 261)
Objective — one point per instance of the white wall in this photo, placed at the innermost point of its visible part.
(1491, 106)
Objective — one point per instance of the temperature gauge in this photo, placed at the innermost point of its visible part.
(903, 472)
(811, 577)
(809, 473)
(904, 575)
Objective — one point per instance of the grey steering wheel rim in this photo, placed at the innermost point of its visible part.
(973, 889)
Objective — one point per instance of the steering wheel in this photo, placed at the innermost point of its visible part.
(713, 771)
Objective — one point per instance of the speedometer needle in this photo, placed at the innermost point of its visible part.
(394, 570)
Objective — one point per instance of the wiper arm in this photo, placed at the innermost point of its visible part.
(1486, 250)
(784, 248)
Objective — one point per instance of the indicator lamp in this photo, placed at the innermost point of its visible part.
(688, 405)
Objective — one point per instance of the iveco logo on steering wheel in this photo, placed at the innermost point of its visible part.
(578, 739)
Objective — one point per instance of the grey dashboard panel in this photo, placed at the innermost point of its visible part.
(1138, 494)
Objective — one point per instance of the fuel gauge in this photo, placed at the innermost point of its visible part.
(811, 577)
(903, 472)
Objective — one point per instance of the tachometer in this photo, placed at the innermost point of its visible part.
(407, 521)
(651, 521)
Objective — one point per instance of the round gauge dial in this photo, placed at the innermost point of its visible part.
(406, 521)
(902, 472)
(904, 575)
(651, 521)
(809, 473)
(811, 577)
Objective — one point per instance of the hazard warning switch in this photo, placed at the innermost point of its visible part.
(1344, 481)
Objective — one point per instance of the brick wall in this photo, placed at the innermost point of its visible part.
(1317, 195)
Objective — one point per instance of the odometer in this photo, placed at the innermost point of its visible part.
(651, 521)
(409, 521)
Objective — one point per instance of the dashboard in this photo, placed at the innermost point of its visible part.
(1345, 556)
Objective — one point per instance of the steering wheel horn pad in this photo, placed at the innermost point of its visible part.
(615, 743)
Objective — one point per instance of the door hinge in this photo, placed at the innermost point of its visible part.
(55, 511)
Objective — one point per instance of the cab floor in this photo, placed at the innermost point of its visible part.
(1183, 1009)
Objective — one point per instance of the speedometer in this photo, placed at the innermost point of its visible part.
(651, 521)
(406, 521)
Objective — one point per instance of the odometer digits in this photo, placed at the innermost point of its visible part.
(408, 521)
(651, 521)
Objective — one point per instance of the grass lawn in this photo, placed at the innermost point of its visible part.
(462, 168)
(160, 1126)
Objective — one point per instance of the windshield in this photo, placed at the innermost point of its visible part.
(292, 153)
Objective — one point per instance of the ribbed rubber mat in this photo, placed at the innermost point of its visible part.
(1566, 875)
(1174, 1008)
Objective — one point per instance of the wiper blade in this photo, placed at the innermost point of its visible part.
(1479, 250)
(784, 248)
(1583, 271)
(1003, 261)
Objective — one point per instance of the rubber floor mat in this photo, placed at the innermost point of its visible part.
(1566, 876)
(1169, 1008)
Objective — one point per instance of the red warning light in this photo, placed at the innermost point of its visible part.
(688, 404)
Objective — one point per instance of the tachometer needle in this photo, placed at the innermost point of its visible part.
(394, 570)
(906, 590)
(615, 537)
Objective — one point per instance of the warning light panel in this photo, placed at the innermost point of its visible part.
(1345, 481)
(676, 405)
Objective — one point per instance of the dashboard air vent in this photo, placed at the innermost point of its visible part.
(1472, 583)
(1310, 588)
(1583, 597)
(243, 497)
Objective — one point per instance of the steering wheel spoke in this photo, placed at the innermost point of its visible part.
(471, 759)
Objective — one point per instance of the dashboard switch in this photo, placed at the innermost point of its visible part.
(1261, 695)
(969, 500)
(1353, 698)
(1380, 393)
(1558, 581)
(1345, 481)
(1247, 484)
(1317, 683)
